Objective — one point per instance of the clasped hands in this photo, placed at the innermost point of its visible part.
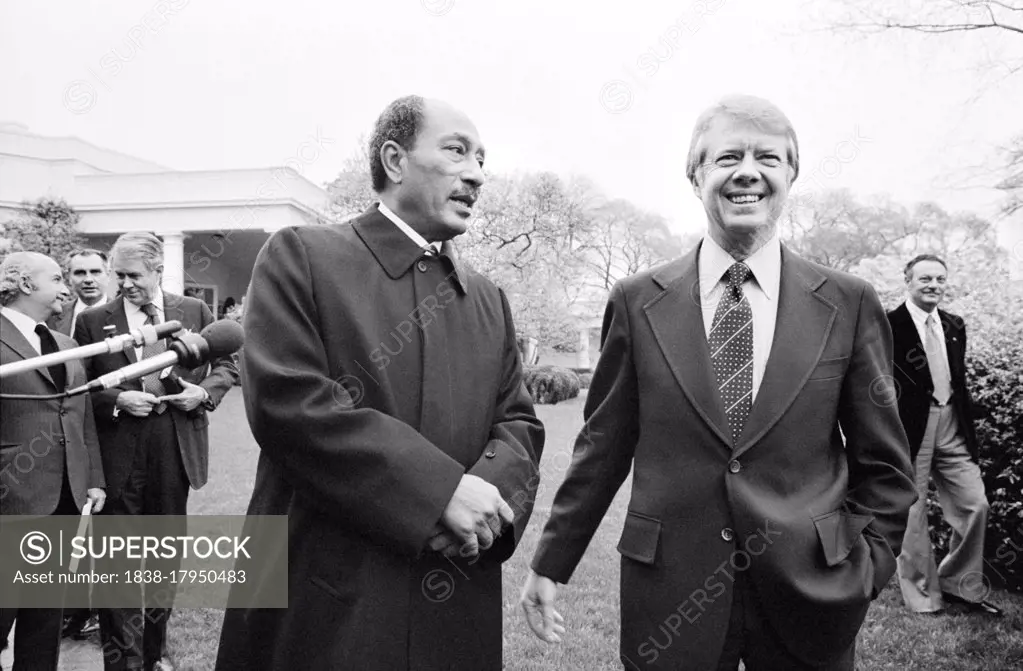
(472, 520)
(141, 403)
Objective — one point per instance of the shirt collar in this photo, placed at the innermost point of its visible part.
(131, 308)
(23, 322)
(80, 306)
(918, 314)
(764, 264)
(408, 230)
(396, 252)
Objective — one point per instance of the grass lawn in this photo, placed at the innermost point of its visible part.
(891, 638)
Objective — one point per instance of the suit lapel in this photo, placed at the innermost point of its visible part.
(903, 327)
(172, 308)
(117, 316)
(801, 331)
(950, 328)
(676, 319)
(13, 338)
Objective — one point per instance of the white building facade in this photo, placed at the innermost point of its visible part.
(212, 222)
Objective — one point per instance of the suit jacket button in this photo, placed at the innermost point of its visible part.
(491, 454)
(63, 411)
(63, 442)
(422, 266)
(734, 466)
(727, 534)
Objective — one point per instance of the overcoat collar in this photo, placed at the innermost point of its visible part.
(395, 251)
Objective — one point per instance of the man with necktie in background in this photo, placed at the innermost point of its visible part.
(89, 278)
(153, 432)
(49, 454)
(936, 410)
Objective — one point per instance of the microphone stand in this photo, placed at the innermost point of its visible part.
(147, 335)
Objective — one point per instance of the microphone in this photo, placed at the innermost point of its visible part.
(146, 335)
(189, 349)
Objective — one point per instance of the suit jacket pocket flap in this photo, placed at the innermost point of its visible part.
(829, 368)
(640, 538)
(838, 532)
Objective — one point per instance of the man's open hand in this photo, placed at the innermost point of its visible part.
(537, 603)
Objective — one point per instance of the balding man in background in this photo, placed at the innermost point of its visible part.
(49, 453)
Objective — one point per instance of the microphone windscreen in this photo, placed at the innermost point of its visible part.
(165, 329)
(224, 337)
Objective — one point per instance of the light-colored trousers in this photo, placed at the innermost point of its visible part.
(944, 457)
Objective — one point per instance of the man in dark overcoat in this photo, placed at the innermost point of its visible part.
(383, 384)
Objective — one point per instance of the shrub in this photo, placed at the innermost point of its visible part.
(550, 384)
(994, 369)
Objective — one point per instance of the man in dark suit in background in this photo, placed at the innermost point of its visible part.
(49, 454)
(153, 441)
(935, 407)
(726, 381)
(383, 384)
(89, 278)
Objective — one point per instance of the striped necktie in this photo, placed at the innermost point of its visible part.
(151, 383)
(731, 350)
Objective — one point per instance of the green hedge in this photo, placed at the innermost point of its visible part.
(994, 366)
(550, 384)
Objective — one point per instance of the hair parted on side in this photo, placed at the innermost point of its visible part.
(399, 122)
(908, 271)
(144, 246)
(764, 115)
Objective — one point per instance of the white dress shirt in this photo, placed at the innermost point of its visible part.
(761, 289)
(408, 230)
(920, 321)
(26, 325)
(81, 307)
(137, 318)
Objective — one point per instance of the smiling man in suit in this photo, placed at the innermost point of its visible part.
(153, 437)
(49, 454)
(750, 392)
(935, 406)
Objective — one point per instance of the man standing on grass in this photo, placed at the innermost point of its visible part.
(383, 384)
(49, 452)
(935, 406)
(153, 431)
(750, 393)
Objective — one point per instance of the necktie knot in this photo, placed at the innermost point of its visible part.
(150, 311)
(42, 331)
(738, 273)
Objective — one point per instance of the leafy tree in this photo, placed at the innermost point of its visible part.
(46, 225)
(351, 192)
(998, 22)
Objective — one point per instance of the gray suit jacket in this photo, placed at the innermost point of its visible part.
(38, 439)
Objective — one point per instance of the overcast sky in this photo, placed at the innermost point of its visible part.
(605, 89)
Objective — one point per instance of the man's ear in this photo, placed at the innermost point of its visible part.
(696, 184)
(393, 158)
